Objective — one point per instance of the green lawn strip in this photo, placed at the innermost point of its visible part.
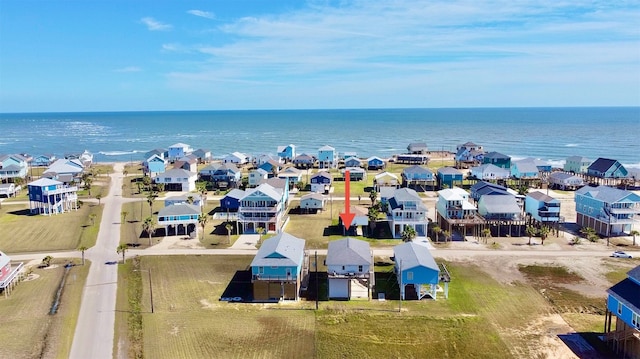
(27, 329)
(22, 232)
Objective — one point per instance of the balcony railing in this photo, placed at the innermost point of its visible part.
(61, 190)
(272, 277)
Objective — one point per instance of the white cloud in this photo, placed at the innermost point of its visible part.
(155, 25)
(201, 13)
(128, 69)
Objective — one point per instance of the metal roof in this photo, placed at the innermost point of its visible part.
(349, 251)
(179, 209)
(44, 182)
(410, 255)
(281, 250)
(540, 197)
(500, 204)
(602, 164)
(608, 194)
(449, 171)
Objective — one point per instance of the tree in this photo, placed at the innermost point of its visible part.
(261, 231)
(139, 186)
(437, 230)
(82, 249)
(544, 233)
(146, 180)
(576, 240)
(373, 196)
(531, 232)
(590, 234)
(228, 227)
(122, 248)
(486, 234)
(408, 233)
(125, 173)
(46, 261)
(300, 185)
(151, 196)
(202, 219)
(149, 226)
(124, 215)
(99, 197)
(634, 233)
(447, 235)
(86, 178)
(92, 218)
(372, 215)
(160, 187)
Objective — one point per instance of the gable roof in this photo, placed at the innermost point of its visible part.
(235, 193)
(211, 168)
(277, 183)
(326, 148)
(349, 251)
(608, 194)
(266, 189)
(374, 158)
(601, 164)
(303, 157)
(321, 174)
(316, 196)
(415, 169)
(290, 170)
(176, 172)
(500, 203)
(179, 145)
(540, 197)
(385, 174)
(578, 159)
(280, 250)
(44, 182)
(496, 155)
(64, 166)
(563, 176)
(411, 255)
(634, 274)
(449, 171)
(526, 166)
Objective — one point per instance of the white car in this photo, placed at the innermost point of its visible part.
(620, 254)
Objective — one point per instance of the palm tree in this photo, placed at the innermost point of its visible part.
(447, 235)
(125, 173)
(99, 197)
(437, 230)
(46, 261)
(531, 232)
(544, 233)
(373, 196)
(149, 226)
(228, 227)
(92, 218)
(87, 183)
(151, 196)
(261, 231)
(408, 234)
(486, 233)
(590, 234)
(146, 180)
(373, 217)
(190, 199)
(124, 215)
(160, 187)
(82, 249)
(202, 219)
(634, 233)
(122, 248)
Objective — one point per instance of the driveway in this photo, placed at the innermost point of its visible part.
(246, 241)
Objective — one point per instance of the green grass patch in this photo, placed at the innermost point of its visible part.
(27, 330)
(551, 274)
(22, 232)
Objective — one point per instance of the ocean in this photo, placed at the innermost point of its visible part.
(550, 134)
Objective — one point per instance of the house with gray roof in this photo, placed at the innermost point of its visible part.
(349, 269)
(418, 177)
(263, 206)
(314, 201)
(468, 153)
(622, 317)
(525, 169)
(610, 211)
(542, 208)
(565, 181)
(277, 269)
(179, 219)
(417, 272)
(417, 148)
(65, 170)
(576, 164)
(499, 207)
(203, 155)
(405, 208)
(257, 175)
(304, 161)
(490, 172)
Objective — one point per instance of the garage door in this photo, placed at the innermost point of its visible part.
(338, 288)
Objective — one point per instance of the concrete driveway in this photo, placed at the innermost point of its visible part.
(246, 241)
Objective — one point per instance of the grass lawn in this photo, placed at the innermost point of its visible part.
(22, 232)
(27, 330)
(481, 319)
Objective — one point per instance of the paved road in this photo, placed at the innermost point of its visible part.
(95, 328)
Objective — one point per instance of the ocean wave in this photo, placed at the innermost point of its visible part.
(118, 153)
(571, 145)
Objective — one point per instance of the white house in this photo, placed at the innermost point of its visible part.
(490, 172)
(179, 150)
(349, 269)
(237, 158)
(177, 179)
(405, 208)
(256, 176)
(312, 201)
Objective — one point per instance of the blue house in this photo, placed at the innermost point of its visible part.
(304, 161)
(43, 160)
(417, 272)
(226, 175)
(231, 201)
(276, 270)
(321, 182)
(623, 305)
(544, 209)
(608, 210)
(154, 165)
(13, 166)
(327, 157)
(375, 163)
(449, 177)
(179, 150)
(469, 153)
(497, 159)
(481, 188)
(524, 169)
(271, 166)
(607, 168)
(417, 176)
(576, 164)
(179, 219)
(287, 153)
(47, 196)
(352, 162)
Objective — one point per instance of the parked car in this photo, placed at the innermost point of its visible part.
(621, 254)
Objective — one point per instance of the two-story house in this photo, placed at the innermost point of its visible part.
(449, 177)
(490, 172)
(321, 182)
(417, 272)
(179, 219)
(468, 154)
(622, 318)
(236, 158)
(48, 196)
(226, 175)
(497, 159)
(277, 268)
(154, 165)
(405, 208)
(375, 163)
(177, 179)
(565, 181)
(202, 155)
(286, 153)
(292, 175)
(385, 179)
(417, 176)
(352, 162)
(542, 208)
(607, 168)
(608, 210)
(456, 213)
(304, 161)
(189, 163)
(576, 164)
(524, 169)
(256, 176)
(262, 207)
(327, 157)
(13, 167)
(349, 269)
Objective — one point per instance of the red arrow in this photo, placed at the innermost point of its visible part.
(347, 217)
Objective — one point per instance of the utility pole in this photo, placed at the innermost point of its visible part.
(401, 288)
(317, 285)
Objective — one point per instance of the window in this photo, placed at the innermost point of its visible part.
(635, 320)
(261, 270)
(360, 269)
(619, 307)
(409, 275)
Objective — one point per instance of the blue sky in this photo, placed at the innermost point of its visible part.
(213, 55)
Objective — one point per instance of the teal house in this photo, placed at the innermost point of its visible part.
(449, 177)
(608, 210)
(497, 159)
(417, 272)
(607, 168)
